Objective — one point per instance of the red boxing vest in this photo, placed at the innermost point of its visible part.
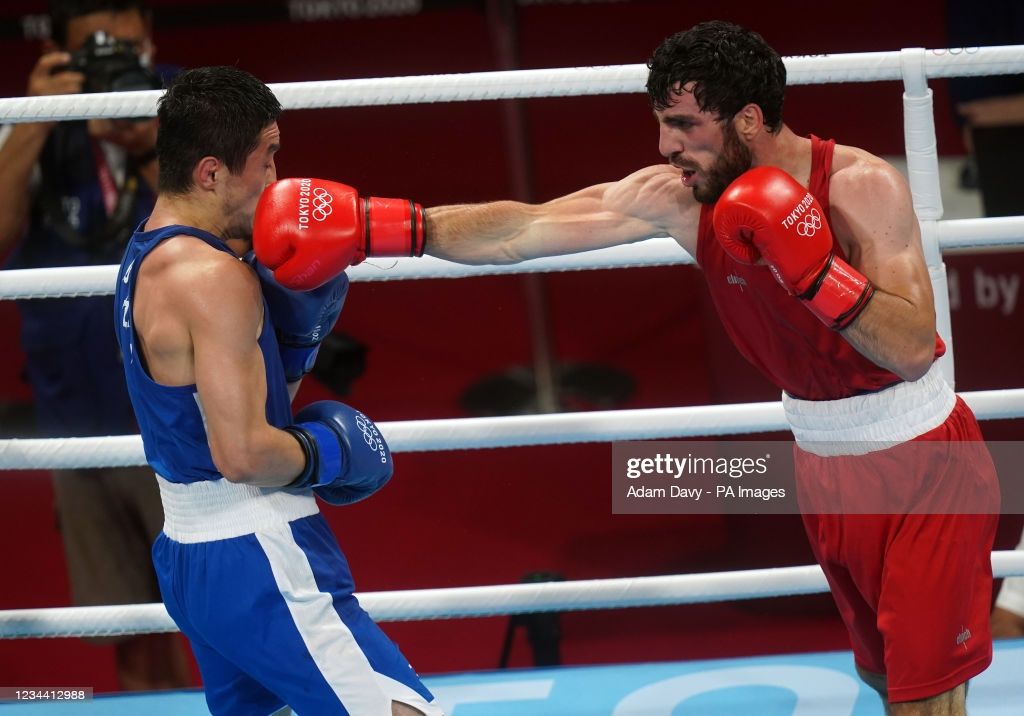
(772, 330)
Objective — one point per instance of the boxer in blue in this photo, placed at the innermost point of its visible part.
(213, 349)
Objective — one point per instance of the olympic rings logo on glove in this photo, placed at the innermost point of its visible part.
(322, 201)
(370, 435)
(810, 225)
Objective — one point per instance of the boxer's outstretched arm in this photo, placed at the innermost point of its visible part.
(873, 206)
(649, 203)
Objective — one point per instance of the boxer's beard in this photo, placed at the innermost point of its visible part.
(733, 161)
(240, 230)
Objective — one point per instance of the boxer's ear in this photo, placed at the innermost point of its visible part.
(204, 175)
(748, 122)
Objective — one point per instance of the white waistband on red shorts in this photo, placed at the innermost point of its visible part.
(870, 422)
(219, 509)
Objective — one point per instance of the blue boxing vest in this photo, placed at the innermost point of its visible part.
(169, 417)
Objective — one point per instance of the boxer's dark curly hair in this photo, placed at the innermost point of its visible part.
(210, 111)
(729, 66)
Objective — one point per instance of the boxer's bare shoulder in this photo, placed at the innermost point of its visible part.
(856, 172)
(178, 283)
(870, 202)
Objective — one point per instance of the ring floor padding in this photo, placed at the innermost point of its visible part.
(790, 685)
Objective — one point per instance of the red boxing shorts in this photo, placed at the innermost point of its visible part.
(912, 582)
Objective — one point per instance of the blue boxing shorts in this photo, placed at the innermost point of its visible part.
(256, 581)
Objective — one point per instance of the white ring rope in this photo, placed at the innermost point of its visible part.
(514, 431)
(814, 69)
(420, 604)
(19, 284)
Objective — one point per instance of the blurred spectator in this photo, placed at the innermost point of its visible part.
(990, 109)
(70, 195)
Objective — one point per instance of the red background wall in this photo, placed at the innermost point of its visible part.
(489, 516)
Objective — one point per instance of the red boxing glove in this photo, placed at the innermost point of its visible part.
(310, 230)
(765, 213)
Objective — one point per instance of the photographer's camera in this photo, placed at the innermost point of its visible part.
(111, 65)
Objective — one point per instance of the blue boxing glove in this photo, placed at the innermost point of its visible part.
(302, 319)
(346, 456)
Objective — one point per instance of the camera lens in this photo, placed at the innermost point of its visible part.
(112, 65)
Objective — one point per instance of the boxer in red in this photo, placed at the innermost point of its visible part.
(813, 257)
(836, 308)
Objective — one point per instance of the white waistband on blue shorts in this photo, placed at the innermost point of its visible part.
(219, 509)
(870, 422)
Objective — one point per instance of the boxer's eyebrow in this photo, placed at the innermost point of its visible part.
(679, 120)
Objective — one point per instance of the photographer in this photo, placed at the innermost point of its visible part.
(70, 195)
